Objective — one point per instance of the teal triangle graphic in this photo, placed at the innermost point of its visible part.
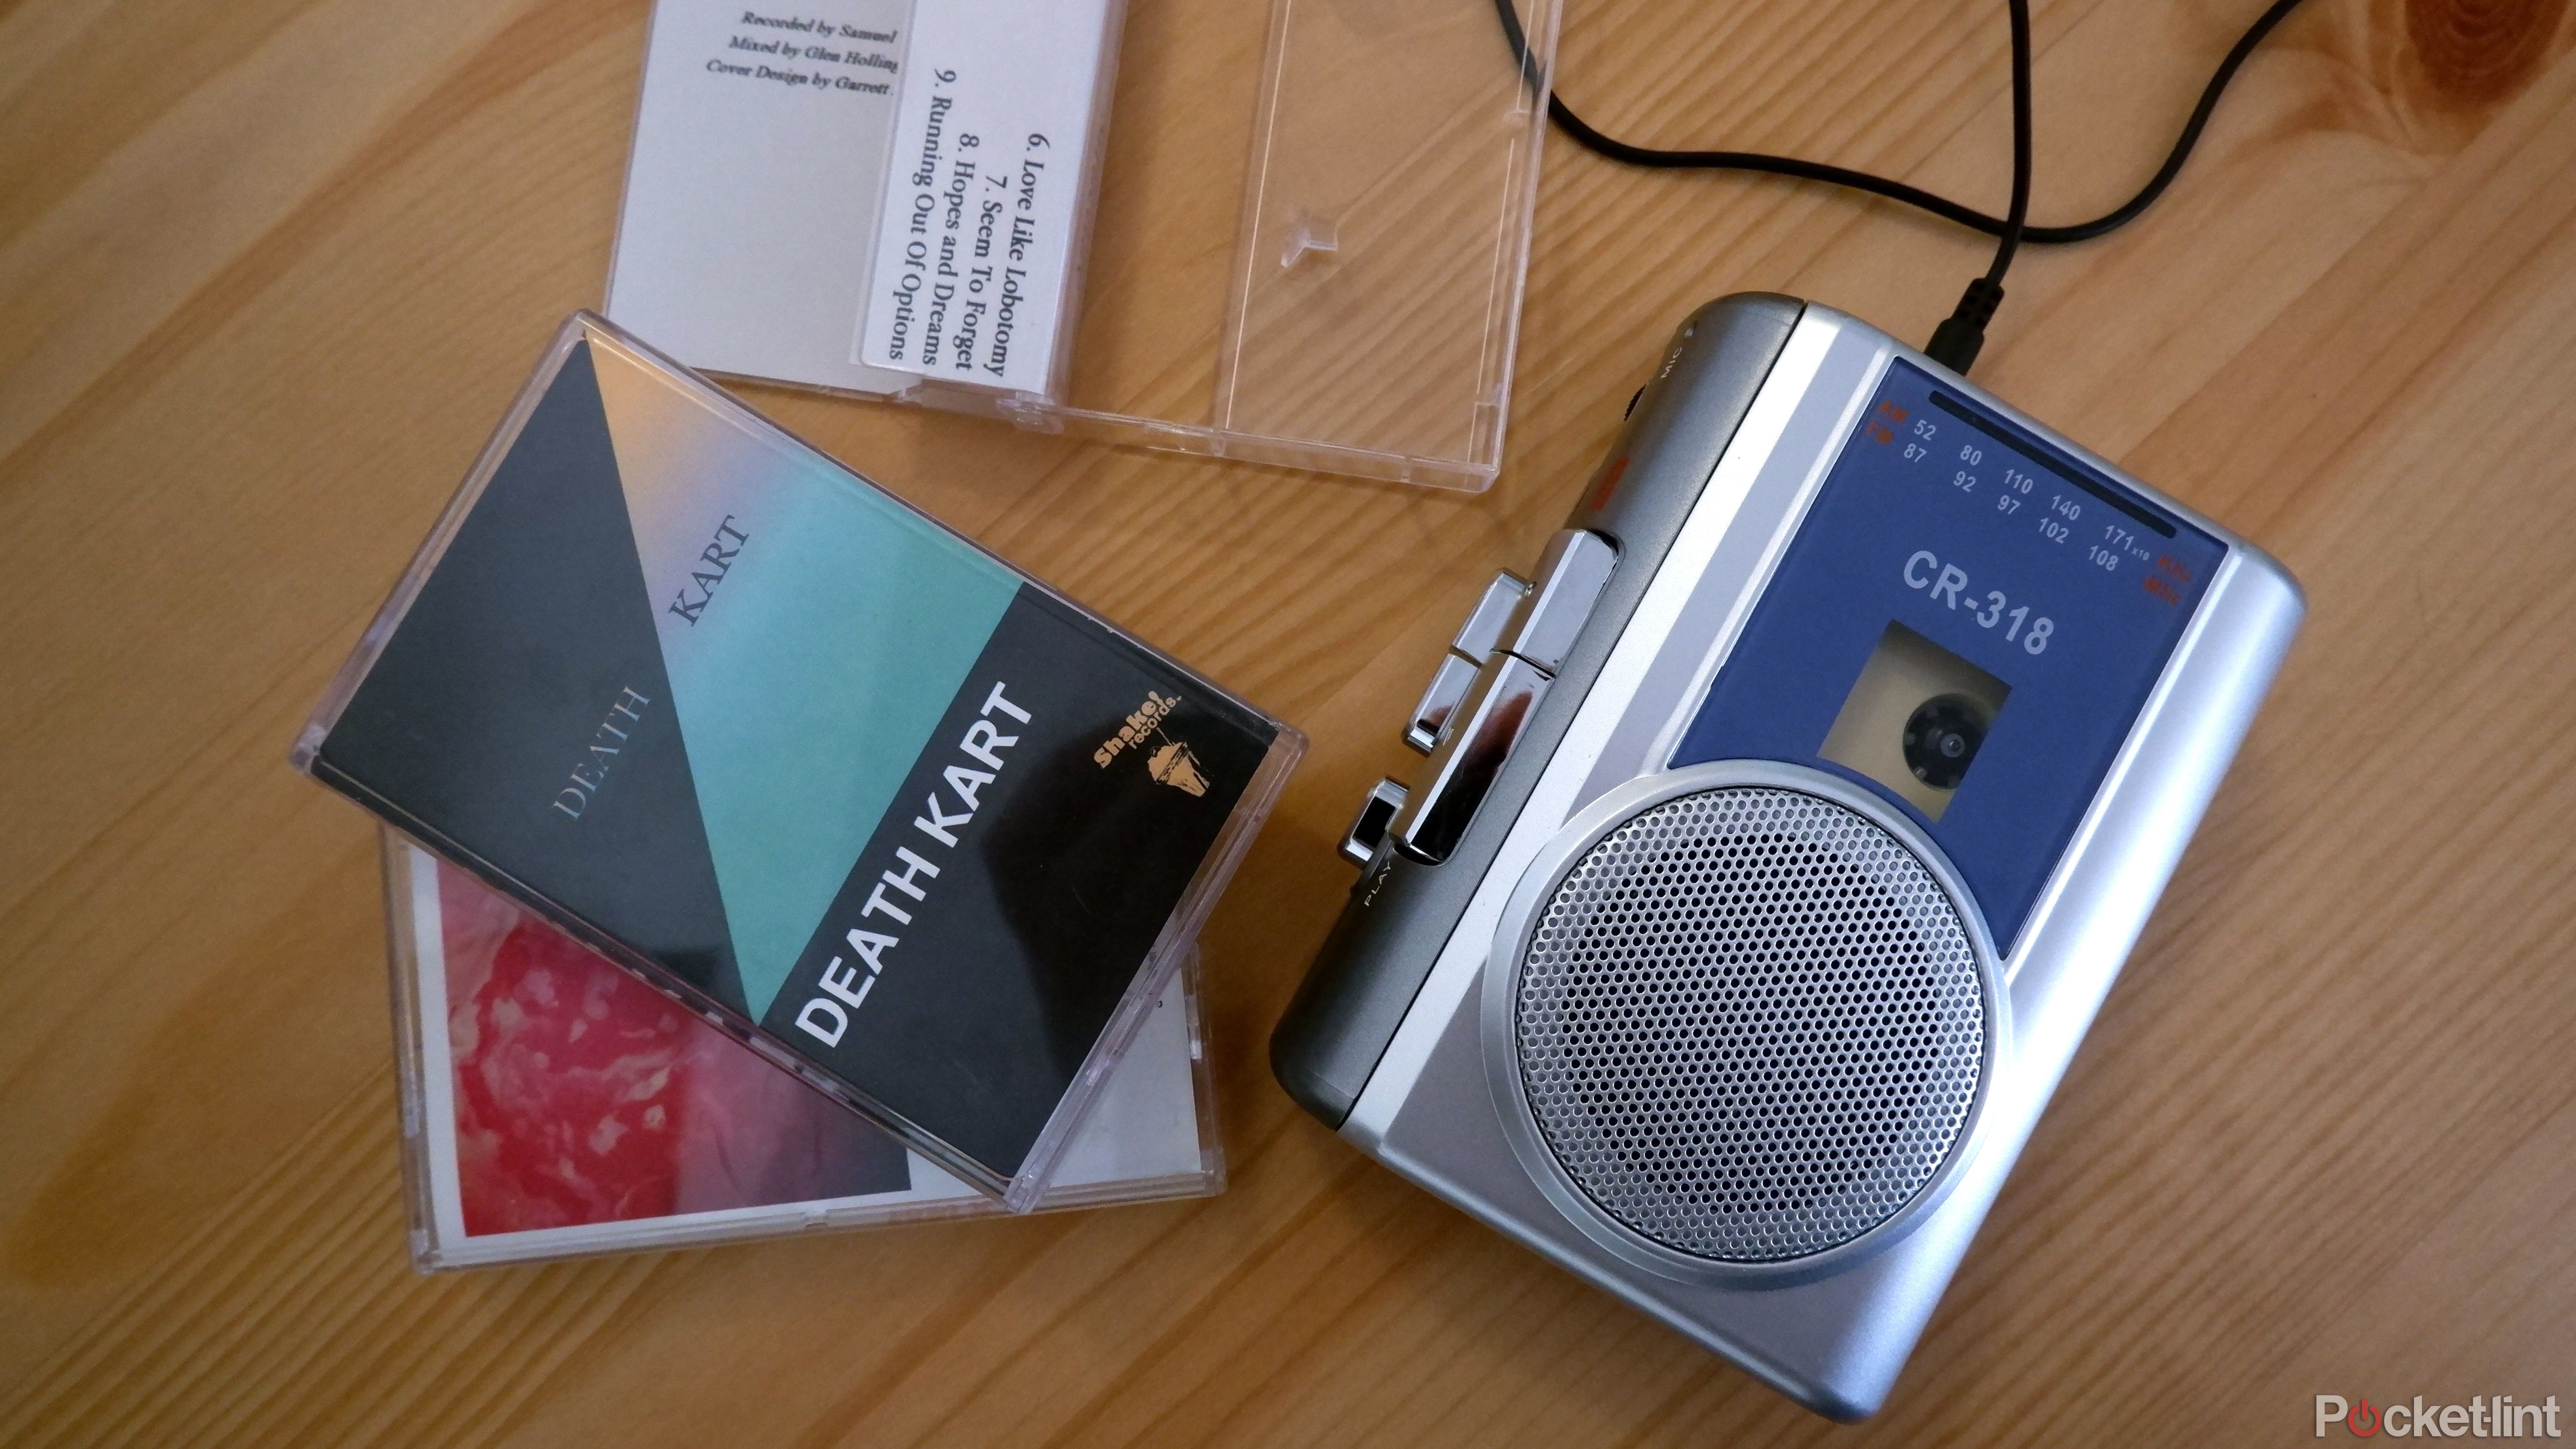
(814, 631)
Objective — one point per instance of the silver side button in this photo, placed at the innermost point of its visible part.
(1471, 754)
(1484, 628)
(1470, 736)
(1440, 701)
(1570, 577)
(1376, 813)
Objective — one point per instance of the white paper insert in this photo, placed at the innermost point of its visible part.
(975, 257)
(753, 191)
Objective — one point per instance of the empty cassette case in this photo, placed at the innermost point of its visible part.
(902, 819)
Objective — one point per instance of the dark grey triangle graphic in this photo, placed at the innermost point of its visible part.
(520, 719)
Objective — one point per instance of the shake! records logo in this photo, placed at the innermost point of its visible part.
(1170, 761)
(2480, 1418)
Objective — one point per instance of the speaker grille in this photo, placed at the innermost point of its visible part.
(1750, 1024)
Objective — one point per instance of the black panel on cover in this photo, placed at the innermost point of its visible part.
(532, 642)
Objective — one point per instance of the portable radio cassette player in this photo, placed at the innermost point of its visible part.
(1780, 837)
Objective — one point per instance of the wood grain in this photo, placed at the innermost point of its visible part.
(269, 269)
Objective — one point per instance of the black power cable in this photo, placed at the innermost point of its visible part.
(1962, 335)
(1941, 206)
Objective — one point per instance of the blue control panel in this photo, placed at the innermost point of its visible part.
(2065, 587)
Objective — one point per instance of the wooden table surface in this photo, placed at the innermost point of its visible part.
(270, 269)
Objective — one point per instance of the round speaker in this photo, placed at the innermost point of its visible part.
(1746, 1014)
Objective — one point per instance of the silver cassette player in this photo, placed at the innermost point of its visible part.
(1780, 837)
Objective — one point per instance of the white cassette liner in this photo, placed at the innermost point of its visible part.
(1153, 1137)
(1301, 245)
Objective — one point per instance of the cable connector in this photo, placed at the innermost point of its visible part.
(1957, 341)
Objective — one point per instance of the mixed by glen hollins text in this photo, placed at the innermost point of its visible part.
(809, 53)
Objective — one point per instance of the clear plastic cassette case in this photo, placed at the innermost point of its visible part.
(898, 817)
(1298, 238)
(553, 1106)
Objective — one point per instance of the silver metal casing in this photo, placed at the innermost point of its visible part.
(1399, 1037)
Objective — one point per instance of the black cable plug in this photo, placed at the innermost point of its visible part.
(1957, 341)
